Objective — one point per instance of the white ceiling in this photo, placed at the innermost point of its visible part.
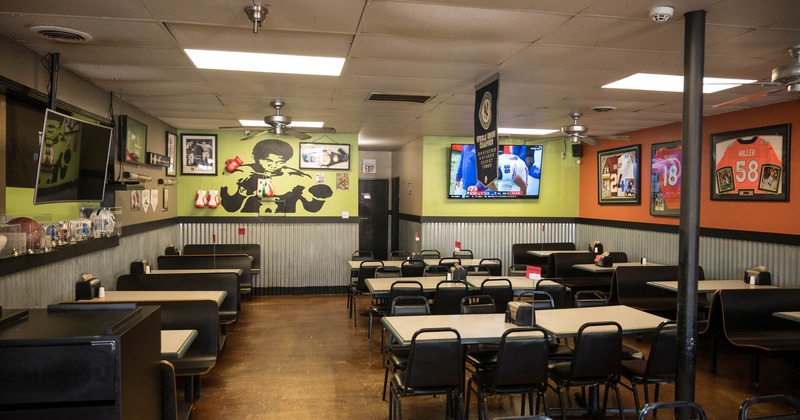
(552, 55)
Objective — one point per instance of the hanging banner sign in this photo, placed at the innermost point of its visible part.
(486, 96)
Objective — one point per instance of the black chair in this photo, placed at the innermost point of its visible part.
(521, 369)
(500, 290)
(775, 401)
(517, 270)
(388, 271)
(539, 299)
(366, 270)
(660, 366)
(449, 262)
(171, 409)
(478, 304)
(399, 288)
(590, 298)
(434, 368)
(464, 253)
(489, 267)
(596, 361)
(430, 253)
(697, 412)
(435, 270)
(399, 255)
(362, 255)
(449, 294)
(556, 290)
(412, 268)
(398, 358)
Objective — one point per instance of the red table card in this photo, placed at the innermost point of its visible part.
(458, 246)
(533, 272)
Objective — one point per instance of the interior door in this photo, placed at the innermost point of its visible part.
(373, 216)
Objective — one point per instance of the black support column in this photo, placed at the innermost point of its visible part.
(688, 241)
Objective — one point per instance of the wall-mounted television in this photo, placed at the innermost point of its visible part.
(73, 160)
(519, 170)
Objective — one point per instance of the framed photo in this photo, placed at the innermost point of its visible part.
(665, 179)
(132, 140)
(172, 151)
(618, 176)
(199, 154)
(751, 164)
(324, 156)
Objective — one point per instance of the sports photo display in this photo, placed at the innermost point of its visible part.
(750, 164)
(619, 180)
(665, 179)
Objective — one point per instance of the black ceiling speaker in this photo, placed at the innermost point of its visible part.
(577, 150)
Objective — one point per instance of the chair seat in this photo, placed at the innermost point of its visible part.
(399, 378)
(559, 352)
(189, 365)
(482, 359)
(399, 359)
(636, 368)
(560, 372)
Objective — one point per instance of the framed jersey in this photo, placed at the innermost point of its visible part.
(665, 179)
(751, 164)
(618, 180)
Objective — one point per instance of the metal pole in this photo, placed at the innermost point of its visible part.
(688, 241)
(51, 96)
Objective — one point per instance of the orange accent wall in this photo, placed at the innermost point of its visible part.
(772, 217)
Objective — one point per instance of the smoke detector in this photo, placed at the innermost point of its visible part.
(604, 108)
(61, 34)
(661, 13)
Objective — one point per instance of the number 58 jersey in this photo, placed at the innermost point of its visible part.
(745, 158)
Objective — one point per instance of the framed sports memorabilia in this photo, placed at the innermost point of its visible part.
(132, 140)
(665, 179)
(751, 164)
(618, 176)
(199, 152)
(324, 156)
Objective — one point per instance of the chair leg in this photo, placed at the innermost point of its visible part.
(646, 393)
(369, 332)
(636, 397)
(561, 401)
(619, 402)
(355, 313)
(469, 391)
(484, 406)
(755, 370)
(385, 380)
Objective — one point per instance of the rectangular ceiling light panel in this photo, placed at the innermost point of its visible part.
(671, 83)
(266, 63)
(525, 131)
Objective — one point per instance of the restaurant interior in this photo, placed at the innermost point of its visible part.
(145, 191)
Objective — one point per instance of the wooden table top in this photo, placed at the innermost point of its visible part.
(160, 295)
(547, 252)
(354, 265)
(597, 269)
(790, 315)
(237, 271)
(175, 343)
(566, 322)
(709, 286)
(474, 328)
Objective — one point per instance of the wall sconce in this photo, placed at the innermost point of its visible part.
(131, 176)
(163, 181)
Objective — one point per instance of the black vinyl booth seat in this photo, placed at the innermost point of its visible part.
(629, 287)
(660, 366)
(520, 256)
(211, 261)
(560, 268)
(252, 250)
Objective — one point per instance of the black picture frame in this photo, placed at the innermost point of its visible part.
(751, 164)
(619, 175)
(199, 154)
(132, 137)
(665, 179)
(324, 156)
(172, 153)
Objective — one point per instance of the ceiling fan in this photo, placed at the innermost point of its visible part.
(786, 76)
(281, 124)
(577, 133)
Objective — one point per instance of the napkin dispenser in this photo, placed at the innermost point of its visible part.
(521, 313)
(604, 260)
(758, 275)
(596, 247)
(459, 273)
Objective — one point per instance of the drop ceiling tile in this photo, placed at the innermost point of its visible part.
(105, 9)
(399, 85)
(135, 73)
(470, 73)
(256, 80)
(560, 6)
(115, 32)
(153, 89)
(774, 14)
(426, 50)
(771, 44)
(600, 59)
(111, 55)
(641, 9)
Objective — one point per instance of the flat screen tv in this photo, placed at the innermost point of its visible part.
(73, 160)
(519, 170)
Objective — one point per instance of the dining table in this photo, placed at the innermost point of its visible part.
(159, 295)
(175, 343)
(709, 286)
(544, 253)
(594, 268)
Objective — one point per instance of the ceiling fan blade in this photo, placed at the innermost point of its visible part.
(254, 135)
(748, 98)
(610, 137)
(293, 132)
(590, 141)
(326, 130)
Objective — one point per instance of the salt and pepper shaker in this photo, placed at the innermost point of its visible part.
(101, 292)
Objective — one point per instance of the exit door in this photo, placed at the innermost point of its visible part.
(373, 217)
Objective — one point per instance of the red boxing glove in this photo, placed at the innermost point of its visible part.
(232, 164)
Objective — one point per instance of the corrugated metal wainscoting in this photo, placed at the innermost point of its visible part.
(296, 258)
(720, 258)
(54, 283)
(406, 234)
(491, 240)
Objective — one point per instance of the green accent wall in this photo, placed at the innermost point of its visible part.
(19, 201)
(557, 198)
(229, 146)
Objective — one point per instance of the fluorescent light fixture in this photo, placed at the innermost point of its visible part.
(294, 124)
(525, 131)
(671, 83)
(266, 63)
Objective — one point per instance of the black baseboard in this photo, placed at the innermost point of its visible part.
(295, 291)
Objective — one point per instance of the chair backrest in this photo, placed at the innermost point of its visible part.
(478, 304)
(464, 253)
(522, 358)
(782, 401)
(449, 262)
(435, 270)
(405, 288)
(598, 350)
(492, 266)
(663, 358)
(448, 297)
(539, 299)
(388, 271)
(697, 412)
(556, 290)
(169, 400)
(412, 268)
(366, 270)
(500, 290)
(399, 255)
(590, 298)
(409, 305)
(362, 255)
(252, 250)
(435, 362)
(430, 253)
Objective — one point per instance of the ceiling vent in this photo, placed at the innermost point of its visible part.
(391, 97)
(60, 34)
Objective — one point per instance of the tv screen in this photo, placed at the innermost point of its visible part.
(73, 159)
(519, 169)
